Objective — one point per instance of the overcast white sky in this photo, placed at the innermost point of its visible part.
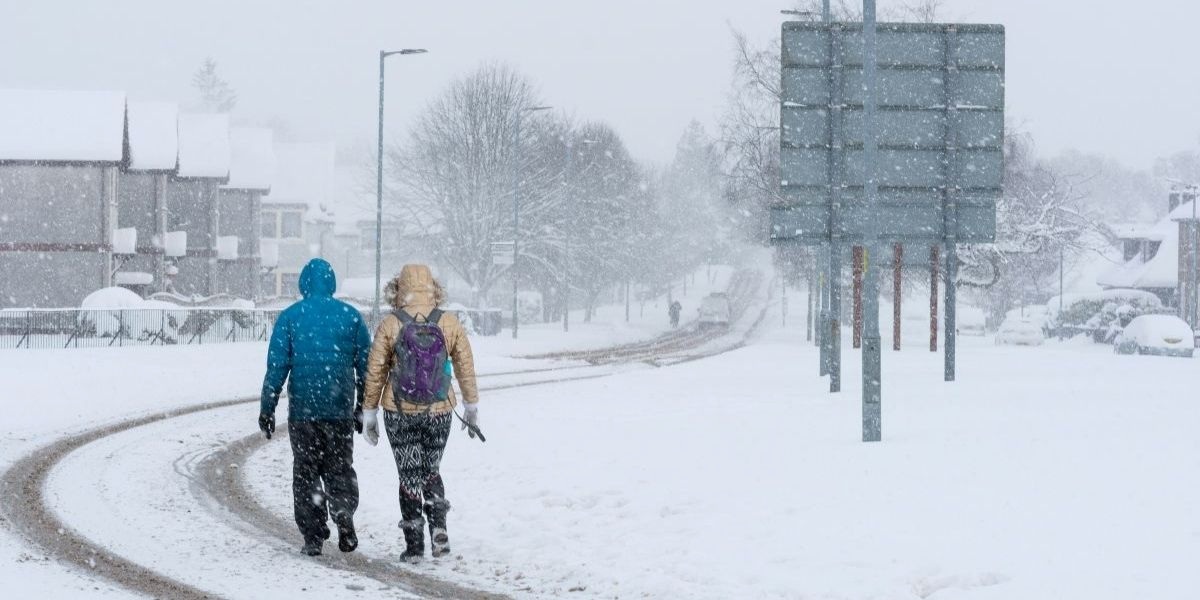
(1102, 76)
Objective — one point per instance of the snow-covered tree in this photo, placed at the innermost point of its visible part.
(214, 93)
(455, 176)
(693, 213)
(1040, 218)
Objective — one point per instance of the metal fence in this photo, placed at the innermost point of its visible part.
(87, 328)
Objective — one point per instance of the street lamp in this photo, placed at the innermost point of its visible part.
(517, 201)
(383, 54)
(568, 186)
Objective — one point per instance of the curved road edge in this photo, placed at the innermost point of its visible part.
(23, 486)
(29, 516)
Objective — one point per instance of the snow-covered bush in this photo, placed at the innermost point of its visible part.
(116, 311)
(1100, 314)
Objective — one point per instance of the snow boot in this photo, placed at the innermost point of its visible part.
(436, 509)
(312, 547)
(414, 540)
(347, 538)
(439, 541)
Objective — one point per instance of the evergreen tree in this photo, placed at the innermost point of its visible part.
(215, 93)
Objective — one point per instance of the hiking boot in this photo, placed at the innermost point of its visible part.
(439, 541)
(347, 539)
(312, 547)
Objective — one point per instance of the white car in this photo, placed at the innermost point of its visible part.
(1163, 335)
(714, 311)
(1020, 331)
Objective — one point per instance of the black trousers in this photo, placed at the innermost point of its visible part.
(324, 483)
(418, 442)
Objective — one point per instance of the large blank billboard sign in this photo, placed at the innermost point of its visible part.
(939, 129)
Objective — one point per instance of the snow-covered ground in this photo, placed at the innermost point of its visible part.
(1062, 471)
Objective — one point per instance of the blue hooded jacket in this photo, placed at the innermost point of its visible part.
(320, 346)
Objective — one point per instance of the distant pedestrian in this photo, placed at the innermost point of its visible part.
(674, 311)
(320, 346)
(409, 376)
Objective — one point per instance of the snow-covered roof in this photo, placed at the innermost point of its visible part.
(62, 126)
(204, 146)
(304, 174)
(153, 136)
(1136, 231)
(252, 160)
(1162, 270)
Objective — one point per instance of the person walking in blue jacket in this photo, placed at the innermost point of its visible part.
(320, 347)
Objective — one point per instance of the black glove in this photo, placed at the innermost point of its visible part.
(358, 418)
(266, 422)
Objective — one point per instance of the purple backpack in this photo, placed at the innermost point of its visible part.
(421, 372)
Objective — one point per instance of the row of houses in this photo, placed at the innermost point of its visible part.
(1157, 258)
(97, 190)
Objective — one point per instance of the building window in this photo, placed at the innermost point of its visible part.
(291, 225)
(289, 284)
(1152, 250)
(270, 286)
(270, 224)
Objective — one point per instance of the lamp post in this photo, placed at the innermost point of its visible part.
(517, 201)
(570, 187)
(383, 54)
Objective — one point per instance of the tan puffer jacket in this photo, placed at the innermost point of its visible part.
(414, 291)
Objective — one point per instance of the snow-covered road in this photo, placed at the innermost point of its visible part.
(1055, 472)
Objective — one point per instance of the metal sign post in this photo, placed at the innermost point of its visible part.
(903, 145)
(872, 378)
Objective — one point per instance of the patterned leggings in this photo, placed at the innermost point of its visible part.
(418, 442)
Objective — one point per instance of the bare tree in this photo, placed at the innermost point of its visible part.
(581, 196)
(1041, 218)
(456, 174)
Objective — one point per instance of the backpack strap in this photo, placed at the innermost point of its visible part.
(435, 315)
(404, 317)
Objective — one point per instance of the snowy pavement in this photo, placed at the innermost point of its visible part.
(1055, 472)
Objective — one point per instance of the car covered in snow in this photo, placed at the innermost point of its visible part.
(1021, 331)
(715, 311)
(1163, 335)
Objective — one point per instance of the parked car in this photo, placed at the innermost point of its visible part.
(1162, 335)
(1021, 331)
(714, 311)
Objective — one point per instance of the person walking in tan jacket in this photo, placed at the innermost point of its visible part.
(408, 374)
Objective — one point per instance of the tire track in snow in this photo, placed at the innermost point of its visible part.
(220, 481)
(28, 513)
(25, 506)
